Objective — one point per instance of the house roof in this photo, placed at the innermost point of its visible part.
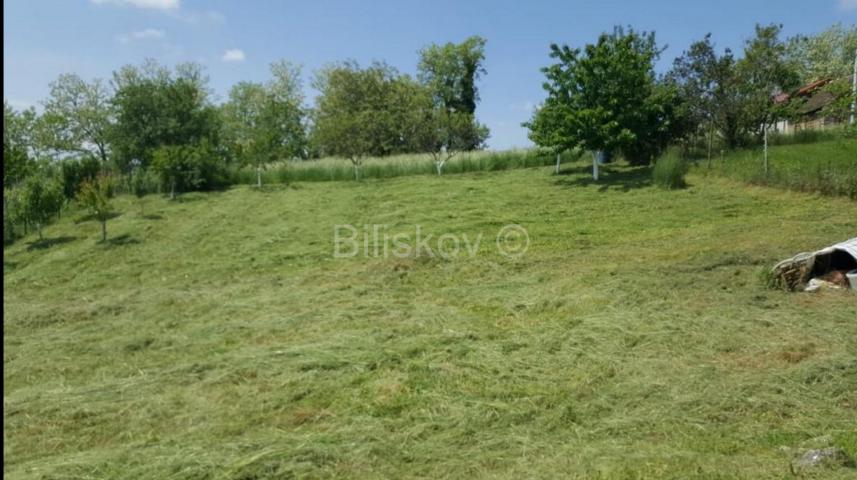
(816, 102)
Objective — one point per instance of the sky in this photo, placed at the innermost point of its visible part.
(237, 40)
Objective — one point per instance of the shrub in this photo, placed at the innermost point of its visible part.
(95, 196)
(75, 171)
(669, 171)
(42, 198)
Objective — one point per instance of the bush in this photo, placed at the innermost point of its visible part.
(183, 168)
(76, 171)
(670, 170)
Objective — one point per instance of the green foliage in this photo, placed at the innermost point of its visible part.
(42, 199)
(95, 196)
(443, 134)
(77, 116)
(606, 97)
(371, 111)
(827, 54)
(451, 71)
(183, 168)
(764, 71)
(155, 107)
(710, 88)
(18, 144)
(669, 171)
(265, 123)
(74, 171)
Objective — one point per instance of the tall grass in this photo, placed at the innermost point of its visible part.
(669, 170)
(338, 169)
(826, 167)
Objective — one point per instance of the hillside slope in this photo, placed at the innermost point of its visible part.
(217, 337)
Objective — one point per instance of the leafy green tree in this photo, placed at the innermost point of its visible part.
(74, 171)
(95, 196)
(196, 166)
(19, 144)
(606, 97)
(266, 123)
(155, 107)
(77, 117)
(826, 55)
(42, 199)
(452, 70)
(443, 134)
(765, 71)
(356, 113)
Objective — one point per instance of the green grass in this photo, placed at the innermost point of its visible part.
(338, 169)
(218, 338)
(827, 167)
(669, 171)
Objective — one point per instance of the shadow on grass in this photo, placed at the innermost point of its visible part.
(121, 240)
(48, 242)
(152, 216)
(624, 179)
(91, 218)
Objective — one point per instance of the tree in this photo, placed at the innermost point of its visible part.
(451, 71)
(77, 117)
(606, 97)
(155, 107)
(74, 171)
(826, 55)
(19, 144)
(765, 71)
(189, 167)
(443, 134)
(694, 74)
(356, 112)
(265, 123)
(42, 199)
(95, 195)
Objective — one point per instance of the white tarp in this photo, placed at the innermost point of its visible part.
(797, 271)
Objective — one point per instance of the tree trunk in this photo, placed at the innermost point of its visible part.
(557, 163)
(173, 190)
(104, 230)
(765, 134)
(595, 166)
(39, 227)
(710, 140)
(258, 177)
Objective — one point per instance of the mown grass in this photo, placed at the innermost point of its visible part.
(217, 337)
(828, 167)
(338, 169)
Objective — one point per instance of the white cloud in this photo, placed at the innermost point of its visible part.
(847, 5)
(147, 34)
(233, 55)
(150, 4)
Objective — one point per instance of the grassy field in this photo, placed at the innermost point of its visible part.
(828, 167)
(217, 337)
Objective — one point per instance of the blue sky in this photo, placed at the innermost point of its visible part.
(236, 40)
